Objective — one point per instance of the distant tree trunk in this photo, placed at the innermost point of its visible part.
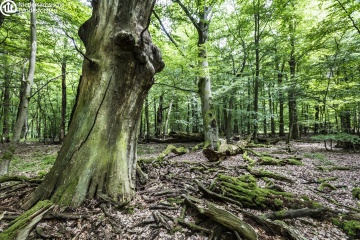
(280, 75)
(159, 117)
(25, 97)
(99, 152)
(155, 117)
(248, 108)
(167, 119)
(188, 117)
(292, 98)
(147, 118)
(236, 120)
(317, 115)
(63, 98)
(257, 68)
(229, 119)
(271, 110)
(6, 105)
(195, 116)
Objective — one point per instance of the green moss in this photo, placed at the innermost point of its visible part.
(265, 160)
(245, 190)
(356, 193)
(295, 162)
(171, 149)
(23, 220)
(326, 185)
(352, 227)
(248, 159)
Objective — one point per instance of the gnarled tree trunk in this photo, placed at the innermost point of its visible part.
(99, 152)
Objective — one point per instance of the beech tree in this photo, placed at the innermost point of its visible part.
(202, 22)
(99, 152)
(26, 85)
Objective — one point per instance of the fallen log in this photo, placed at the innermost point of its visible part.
(179, 137)
(317, 213)
(222, 217)
(224, 151)
(21, 226)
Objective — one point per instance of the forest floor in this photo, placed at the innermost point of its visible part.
(159, 211)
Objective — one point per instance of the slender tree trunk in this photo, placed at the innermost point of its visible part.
(257, 69)
(281, 98)
(147, 118)
(25, 98)
(272, 118)
(229, 119)
(195, 116)
(99, 152)
(6, 105)
(63, 97)
(167, 119)
(292, 98)
(210, 125)
(159, 117)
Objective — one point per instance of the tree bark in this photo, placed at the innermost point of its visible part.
(99, 153)
(202, 24)
(63, 97)
(25, 97)
(6, 105)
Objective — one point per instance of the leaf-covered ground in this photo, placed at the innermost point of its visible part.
(159, 211)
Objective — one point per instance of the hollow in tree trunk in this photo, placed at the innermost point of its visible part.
(99, 152)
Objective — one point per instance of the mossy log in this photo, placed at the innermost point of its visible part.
(245, 190)
(317, 213)
(222, 217)
(224, 151)
(268, 174)
(20, 228)
(215, 195)
(164, 154)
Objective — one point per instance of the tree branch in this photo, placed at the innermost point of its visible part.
(77, 49)
(177, 88)
(187, 12)
(164, 29)
(38, 90)
(349, 16)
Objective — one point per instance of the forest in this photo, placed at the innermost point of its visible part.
(180, 119)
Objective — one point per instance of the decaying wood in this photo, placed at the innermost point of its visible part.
(222, 217)
(217, 196)
(224, 151)
(318, 213)
(21, 226)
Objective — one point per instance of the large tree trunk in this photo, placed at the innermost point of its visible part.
(99, 152)
(25, 97)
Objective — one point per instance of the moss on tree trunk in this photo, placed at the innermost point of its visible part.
(99, 152)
